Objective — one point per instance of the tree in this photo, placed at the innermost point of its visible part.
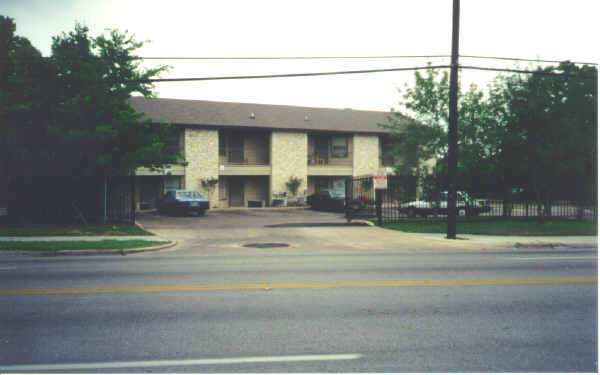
(537, 131)
(550, 123)
(426, 137)
(68, 114)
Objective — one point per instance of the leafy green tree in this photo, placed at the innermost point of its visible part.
(550, 132)
(66, 118)
(68, 114)
(426, 137)
(537, 132)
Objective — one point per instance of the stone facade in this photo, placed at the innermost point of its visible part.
(366, 155)
(289, 152)
(286, 155)
(201, 148)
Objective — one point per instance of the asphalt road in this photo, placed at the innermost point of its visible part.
(301, 310)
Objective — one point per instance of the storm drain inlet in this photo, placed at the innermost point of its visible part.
(264, 245)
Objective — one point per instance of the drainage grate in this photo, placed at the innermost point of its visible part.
(266, 245)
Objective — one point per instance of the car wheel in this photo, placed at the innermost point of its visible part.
(462, 212)
(201, 212)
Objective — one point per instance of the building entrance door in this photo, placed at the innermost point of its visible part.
(236, 192)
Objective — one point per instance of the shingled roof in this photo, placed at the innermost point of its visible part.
(282, 117)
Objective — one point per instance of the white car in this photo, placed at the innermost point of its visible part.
(465, 206)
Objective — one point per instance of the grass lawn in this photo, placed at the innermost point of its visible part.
(502, 227)
(77, 245)
(74, 230)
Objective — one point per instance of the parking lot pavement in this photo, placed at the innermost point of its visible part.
(231, 229)
(227, 230)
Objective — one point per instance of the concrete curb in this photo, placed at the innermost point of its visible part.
(369, 223)
(553, 245)
(123, 252)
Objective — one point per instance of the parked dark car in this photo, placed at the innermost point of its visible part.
(327, 200)
(183, 202)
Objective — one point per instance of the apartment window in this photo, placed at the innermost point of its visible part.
(222, 144)
(171, 183)
(172, 144)
(339, 146)
(387, 153)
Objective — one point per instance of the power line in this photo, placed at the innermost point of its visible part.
(520, 59)
(349, 57)
(290, 75)
(291, 57)
(239, 58)
(528, 72)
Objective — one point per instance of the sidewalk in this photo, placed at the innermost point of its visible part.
(515, 241)
(170, 243)
(355, 237)
(84, 238)
(474, 241)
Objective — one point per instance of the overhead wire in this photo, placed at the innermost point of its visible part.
(291, 74)
(351, 57)
(363, 71)
(312, 74)
(538, 72)
(289, 57)
(521, 59)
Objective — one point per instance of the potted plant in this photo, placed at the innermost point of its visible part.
(208, 185)
(293, 184)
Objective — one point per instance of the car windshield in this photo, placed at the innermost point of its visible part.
(188, 194)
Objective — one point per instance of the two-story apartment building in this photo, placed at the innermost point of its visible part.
(254, 149)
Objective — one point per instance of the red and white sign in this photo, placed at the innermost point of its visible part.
(380, 182)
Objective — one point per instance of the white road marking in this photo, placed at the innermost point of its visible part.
(172, 363)
(7, 268)
(559, 258)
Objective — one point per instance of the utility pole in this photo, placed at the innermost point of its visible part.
(453, 124)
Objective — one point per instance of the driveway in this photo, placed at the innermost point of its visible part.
(232, 229)
(298, 229)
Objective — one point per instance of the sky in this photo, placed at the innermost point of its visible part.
(532, 29)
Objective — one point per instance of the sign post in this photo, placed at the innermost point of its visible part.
(380, 184)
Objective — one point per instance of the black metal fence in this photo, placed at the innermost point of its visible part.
(120, 200)
(66, 200)
(400, 202)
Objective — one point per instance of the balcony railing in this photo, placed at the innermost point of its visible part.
(316, 160)
(239, 157)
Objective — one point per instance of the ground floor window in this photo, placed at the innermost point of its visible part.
(172, 183)
(318, 183)
(243, 191)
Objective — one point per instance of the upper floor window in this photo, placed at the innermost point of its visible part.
(339, 146)
(172, 143)
(386, 151)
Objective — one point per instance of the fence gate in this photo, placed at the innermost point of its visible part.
(382, 205)
(120, 199)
